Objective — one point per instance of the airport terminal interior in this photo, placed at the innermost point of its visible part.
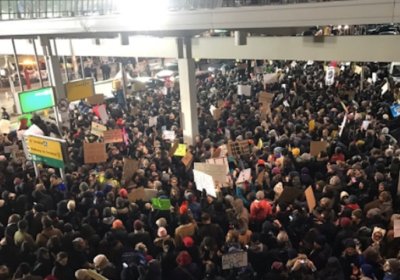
(199, 139)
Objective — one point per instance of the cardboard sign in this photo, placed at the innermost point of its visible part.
(152, 121)
(310, 198)
(245, 175)
(113, 136)
(244, 90)
(216, 171)
(238, 148)
(318, 146)
(204, 181)
(161, 203)
(5, 126)
(234, 260)
(96, 99)
(396, 228)
(223, 162)
(94, 152)
(130, 167)
(289, 194)
(136, 194)
(265, 98)
(270, 78)
(149, 194)
(187, 159)
(169, 135)
(98, 129)
(180, 151)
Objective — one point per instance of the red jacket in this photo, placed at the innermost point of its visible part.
(260, 210)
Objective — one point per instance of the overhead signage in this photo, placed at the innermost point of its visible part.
(79, 89)
(47, 150)
(35, 100)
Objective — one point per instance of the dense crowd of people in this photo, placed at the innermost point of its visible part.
(87, 227)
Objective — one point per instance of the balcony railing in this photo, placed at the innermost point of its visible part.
(39, 9)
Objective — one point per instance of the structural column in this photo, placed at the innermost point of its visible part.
(188, 94)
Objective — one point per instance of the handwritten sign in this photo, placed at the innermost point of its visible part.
(234, 260)
(238, 148)
(245, 175)
(94, 152)
(113, 136)
(216, 171)
(204, 181)
(130, 167)
(98, 129)
(244, 90)
(136, 194)
(180, 151)
(169, 135)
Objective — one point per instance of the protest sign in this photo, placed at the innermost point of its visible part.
(113, 136)
(234, 260)
(216, 171)
(187, 159)
(317, 146)
(289, 194)
(204, 181)
(396, 228)
(130, 167)
(5, 126)
(395, 110)
(102, 113)
(265, 98)
(161, 203)
(385, 88)
(136, 194)
(365, 124)
(180, 151)
(342, 126)
(149, 194)
(244, 90)
(238, 148)
(330, 76)
(245, 175)
(309, 193)
(94, 152)
(270, 78)
(152, 121)
(95, 99)
(374, 77)
(98, 129)
(169, 135)
(174, 147)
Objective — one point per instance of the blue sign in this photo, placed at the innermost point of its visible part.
(395, 110)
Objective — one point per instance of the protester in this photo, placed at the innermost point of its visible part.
(108, 220)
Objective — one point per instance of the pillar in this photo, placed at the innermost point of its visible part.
(188, 94)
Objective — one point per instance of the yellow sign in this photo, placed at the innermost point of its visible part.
(180, 151)
(44, 147)
(79, 89)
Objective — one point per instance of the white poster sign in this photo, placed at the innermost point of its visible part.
(204, 181)
(169, 135)
(244, 90)
(330, 76)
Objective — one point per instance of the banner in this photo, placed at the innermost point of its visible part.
(216, 171)
(94, 152)
(204, 181)
(234, 260)
(309, 193)
(96, 99)
(318, 146)
(113, 136)
(98, 129)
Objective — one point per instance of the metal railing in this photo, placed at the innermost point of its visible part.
(37, 9)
